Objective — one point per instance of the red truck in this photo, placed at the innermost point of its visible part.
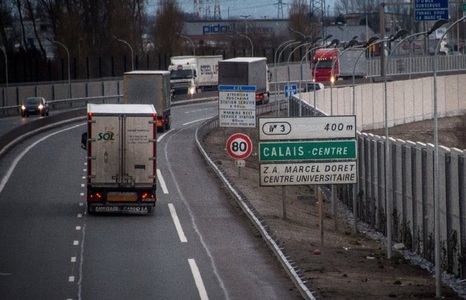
(346, 64)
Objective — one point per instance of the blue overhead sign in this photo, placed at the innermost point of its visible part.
(237, 88)
(431, 10)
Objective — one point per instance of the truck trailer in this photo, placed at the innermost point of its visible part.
(345, 63)
(121, 158)
(250, 71)
(150, 87)
(194, 74)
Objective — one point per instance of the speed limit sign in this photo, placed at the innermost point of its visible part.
(239, 146)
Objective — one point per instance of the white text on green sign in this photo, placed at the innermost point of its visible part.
(308, 173)
(300, 128)
(307, 150)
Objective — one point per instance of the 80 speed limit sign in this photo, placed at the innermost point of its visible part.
(239, 146)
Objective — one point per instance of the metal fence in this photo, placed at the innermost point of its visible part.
(411, 184)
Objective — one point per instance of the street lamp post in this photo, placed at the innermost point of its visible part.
(130, 48)
(372, 41)
(389, 204)
(278, 59)
(5, 99)
(68, 54)
(190, 40)
(438, 273)
(250, 41)
(334, 42)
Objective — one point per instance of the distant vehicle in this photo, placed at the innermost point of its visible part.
(194, 74)
(150, 87)
(34, 106)
(313, 86)
(246, 71)
(345, 64)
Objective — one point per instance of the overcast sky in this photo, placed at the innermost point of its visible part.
(256, 9)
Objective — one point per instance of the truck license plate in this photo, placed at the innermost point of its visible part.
(122, 196)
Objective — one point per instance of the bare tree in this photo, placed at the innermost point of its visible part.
(168, 23)
(300, 21)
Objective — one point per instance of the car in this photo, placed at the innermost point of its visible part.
(35, 106)
(313, 86)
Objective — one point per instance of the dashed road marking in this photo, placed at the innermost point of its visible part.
(198, 279)
(178, 227)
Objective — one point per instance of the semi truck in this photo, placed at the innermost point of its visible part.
(121, 158)
(194, 74)
(344, 62)
(150, 87)
(250, 71)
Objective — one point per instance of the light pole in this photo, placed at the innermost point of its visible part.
(279, 55)
(5, 99)
(190, 40)
(388, 195)
(68, 54)
(372, 41)
(250, 41)
(334, 43)
(246, 18)
(438, 273)
(130, 48)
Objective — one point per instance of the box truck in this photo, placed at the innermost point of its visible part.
(250, 71)
(345, 64)
(121, 158)
(194, 74)
(150, 87)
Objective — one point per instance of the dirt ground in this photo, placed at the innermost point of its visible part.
(337, 264)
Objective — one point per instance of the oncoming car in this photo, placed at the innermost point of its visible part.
(34, 106)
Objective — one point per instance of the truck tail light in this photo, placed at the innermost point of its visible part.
(94, 197)
(147, 196)
(259, 96)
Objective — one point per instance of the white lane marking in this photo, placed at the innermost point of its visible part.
(198, 279)
(73, 259)
(178, 227)
(191, 214)
(78, 227)
(195, 121)
(81, 262)
(20, 156)
(75, 243)
(161, 136)
(162, 182)
(71, 279)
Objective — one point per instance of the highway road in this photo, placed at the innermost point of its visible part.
(197, 245)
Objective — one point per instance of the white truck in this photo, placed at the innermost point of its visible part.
(250, 71)
(150, 87)
(121, 158)
(194, 74)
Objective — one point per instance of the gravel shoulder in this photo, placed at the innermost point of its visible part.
(337, 263)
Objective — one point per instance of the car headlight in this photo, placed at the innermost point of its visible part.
(23, 107)
(41, 106)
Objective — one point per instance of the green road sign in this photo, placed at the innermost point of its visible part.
(463, 6)
(307, 150)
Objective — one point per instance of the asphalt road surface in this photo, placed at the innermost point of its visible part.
(197, 245)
